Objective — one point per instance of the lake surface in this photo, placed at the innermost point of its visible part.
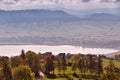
(13, 50)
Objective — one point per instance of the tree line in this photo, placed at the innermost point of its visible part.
(28, 65)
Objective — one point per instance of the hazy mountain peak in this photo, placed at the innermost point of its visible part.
(104, 16)
(34, 15)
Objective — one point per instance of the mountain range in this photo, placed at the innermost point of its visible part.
(34, 15)
(104, 16)
(49, 15)
(112, 55)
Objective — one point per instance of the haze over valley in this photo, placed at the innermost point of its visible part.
(55, 27)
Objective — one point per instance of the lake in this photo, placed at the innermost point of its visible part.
(13, 50)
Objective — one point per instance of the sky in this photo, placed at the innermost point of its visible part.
(58, 4)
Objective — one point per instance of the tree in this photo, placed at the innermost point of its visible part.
(1, 74)
(64, 64)
(7, 71)
(82, 66)
(23, 73)
(36, 65)
(30, 56)
(111, 72)
(22, 54)
(49, 65)
(74, 67)
(23, 58)
(15, 61)
(61, 59)
(33, 61)
(100, 69)
(92, 63)
(75, 61)
(59, 65)
(76, 58)
(3, 59)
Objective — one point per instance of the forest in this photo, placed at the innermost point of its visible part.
(63, 66)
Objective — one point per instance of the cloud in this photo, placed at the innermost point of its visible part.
(85, 0)
(107, 0)
(53, 4)
(117, 0)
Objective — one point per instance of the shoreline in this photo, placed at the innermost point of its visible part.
(47, 44)
(14, 50)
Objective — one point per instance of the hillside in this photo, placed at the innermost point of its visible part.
(49, 15)
(104, 16)
(112, 55)
(34, 16)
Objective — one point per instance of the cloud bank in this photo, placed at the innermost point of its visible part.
(54, 4)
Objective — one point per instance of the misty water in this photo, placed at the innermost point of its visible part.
(104, 34)
(41, 37)
(13, 50)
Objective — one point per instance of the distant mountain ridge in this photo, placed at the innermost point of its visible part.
(112, 55)
(104, 16)
(34, 15)
(49, 15)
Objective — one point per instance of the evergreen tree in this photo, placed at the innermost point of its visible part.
(7, 71)
(30, 56)
(74, 67)
(22, 54)
(59, 65)
(64, 64)
(100, 69)
(75, 61)
(33, 61)
(49, 65)
(80, 65)
(23, 58)
(92, 64)
(36, 65)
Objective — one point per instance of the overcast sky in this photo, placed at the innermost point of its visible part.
(55, 4)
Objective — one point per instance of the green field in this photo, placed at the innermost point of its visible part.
(106, 62)
(69, 75)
